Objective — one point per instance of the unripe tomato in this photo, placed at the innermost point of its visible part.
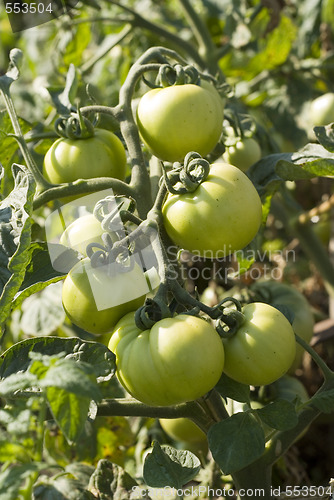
(303, 322)
(263, 348)
(179, 359)
(95, 301)
(101, 155)
(322, 109)
(243, 154)
(182, 429)
(175, 120)
(222, 215)
(81, 232)
(289, 388)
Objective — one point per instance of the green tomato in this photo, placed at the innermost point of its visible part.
(95, 301)
(289, 388)
(102, 155)
(263, 348)
(81, 232)
(303, 322)
(182, 429)
(175, 120)
(179, 359)
(322, 109)
(221, 216)
(243, 154)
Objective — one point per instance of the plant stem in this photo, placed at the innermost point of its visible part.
(41, 183)
(326, 371)
(140, 22)
(207, 48)
(82, 186)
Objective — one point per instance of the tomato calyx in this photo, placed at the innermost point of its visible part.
(228, 323)
(151, 312)
(75, 126)
(177, 75)
(187, 177)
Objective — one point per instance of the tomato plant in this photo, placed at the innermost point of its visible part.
(166, 80)
(95, 301)
(262, 349)
(322, 109)
(243, 154)
(227, 207)
(175, 120)
(179, 359)
(102, 155)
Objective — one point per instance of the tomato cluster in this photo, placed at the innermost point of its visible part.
(180, 357)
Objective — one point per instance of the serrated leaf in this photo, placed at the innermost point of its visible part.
(15, 236)
(229, 388)
(236, 442)
(280, 414)
(324, 401)
(166, 466)
(17, 358)
(39, 273)
(110, 481)
(311, 161)
(69, 411)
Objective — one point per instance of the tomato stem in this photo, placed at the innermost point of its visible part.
(326, 371)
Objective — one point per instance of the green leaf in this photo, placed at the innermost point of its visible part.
(8, 144)
(71, 376)
(43, 313)
(17, 357)
(311, 161)
(11, 479)
(61, 487)
(166, 466)
(324, 401)
(266, 180)
(39, 273)
(236, 442)
(280, 414)
(69, 411)
(325, 136)
(15, 230)
(63, 99)
(111, 481)
(17, 382)
(13, 452)
(78, 43)
(229, 388)
(273, 49)
(13, 73)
